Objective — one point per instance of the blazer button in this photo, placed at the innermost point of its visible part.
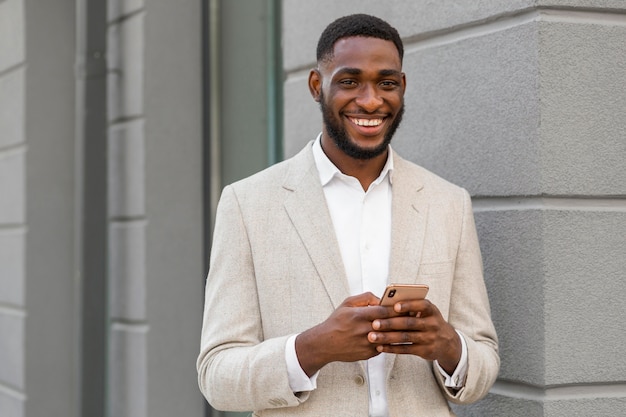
(359, 380)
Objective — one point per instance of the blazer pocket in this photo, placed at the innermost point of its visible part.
(433, 269)
(438, 276)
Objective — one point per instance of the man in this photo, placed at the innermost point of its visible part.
(302, 251)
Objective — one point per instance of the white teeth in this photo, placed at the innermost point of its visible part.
(367, 122)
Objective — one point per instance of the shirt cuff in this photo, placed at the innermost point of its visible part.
(457, 379)
(298, 379)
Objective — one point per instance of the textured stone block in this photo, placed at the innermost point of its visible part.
(473, 111)
(126, 170)
(512, 246)
(12, 266)
(411, 18)
(12, 122)
(126, 68)
(584, 261)
(12, 33)
(12, 404)
(495, 405)
(525, 401)
(303, 121)
(128, 381)
(584, 406)
(583, 128)
(555, 280)
(127, 266)
(584, 4)
(12, 348)
(12, 186)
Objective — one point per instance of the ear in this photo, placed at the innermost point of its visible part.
(315, 84)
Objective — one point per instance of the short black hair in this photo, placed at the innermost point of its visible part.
(356, 25)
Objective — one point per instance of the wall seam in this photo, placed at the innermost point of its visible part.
(12, 68)
(486, 204)
(560, 392)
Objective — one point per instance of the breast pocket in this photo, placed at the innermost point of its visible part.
(438, 276)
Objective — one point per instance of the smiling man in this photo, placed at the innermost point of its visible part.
(361, 94)
(303, 250)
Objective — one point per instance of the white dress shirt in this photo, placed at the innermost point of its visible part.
(362, 223)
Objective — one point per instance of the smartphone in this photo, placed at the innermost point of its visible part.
(401, 292)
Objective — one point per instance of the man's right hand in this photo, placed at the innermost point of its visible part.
(343, 335)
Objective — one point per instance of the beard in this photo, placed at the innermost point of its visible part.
(337, 132)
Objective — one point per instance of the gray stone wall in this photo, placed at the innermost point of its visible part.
(156, 261)
(37, 208)
(153, 236)
(521, 102)
(12, 207)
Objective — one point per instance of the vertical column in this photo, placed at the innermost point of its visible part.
(173, 199)
(93, 218)
(51, 204)
(12, 209)
(127, 368)
(155, 207)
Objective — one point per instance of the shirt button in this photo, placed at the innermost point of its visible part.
(359, 380)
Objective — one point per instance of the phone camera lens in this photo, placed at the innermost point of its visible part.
(392, 293)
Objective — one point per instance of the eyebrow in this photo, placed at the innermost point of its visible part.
(357, 71)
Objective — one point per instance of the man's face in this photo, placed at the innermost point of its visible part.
(361, 94)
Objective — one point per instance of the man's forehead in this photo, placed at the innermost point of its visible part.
(348, 40)
(356, 48)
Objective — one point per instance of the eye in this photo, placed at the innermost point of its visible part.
(388, 84)
(348, 83)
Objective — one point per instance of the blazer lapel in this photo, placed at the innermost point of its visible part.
(408, 224)
(409, 212)
(306, 207)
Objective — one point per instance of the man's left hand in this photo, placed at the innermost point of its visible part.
(421, 331)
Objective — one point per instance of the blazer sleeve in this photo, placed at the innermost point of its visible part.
(238, 370)
(470, 314)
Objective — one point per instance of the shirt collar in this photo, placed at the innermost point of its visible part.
(327, 170)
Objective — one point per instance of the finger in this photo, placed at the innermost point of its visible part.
(421, 308)
(380, 312)
(406, 349)
(395, 338)
(361, 300)
(404, 322)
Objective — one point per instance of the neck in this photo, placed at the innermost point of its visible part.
(364, 170)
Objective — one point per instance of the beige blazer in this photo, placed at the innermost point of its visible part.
(276, 270)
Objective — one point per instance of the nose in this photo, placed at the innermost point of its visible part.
(369, 98)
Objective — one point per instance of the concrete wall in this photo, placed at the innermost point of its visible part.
(155, 207)
(522, 103)
(37, 209)
(153, 226)
(12, 207)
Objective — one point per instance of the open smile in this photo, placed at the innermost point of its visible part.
(366, 122)
(368, 126)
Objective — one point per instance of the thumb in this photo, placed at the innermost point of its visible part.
(361, 300)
